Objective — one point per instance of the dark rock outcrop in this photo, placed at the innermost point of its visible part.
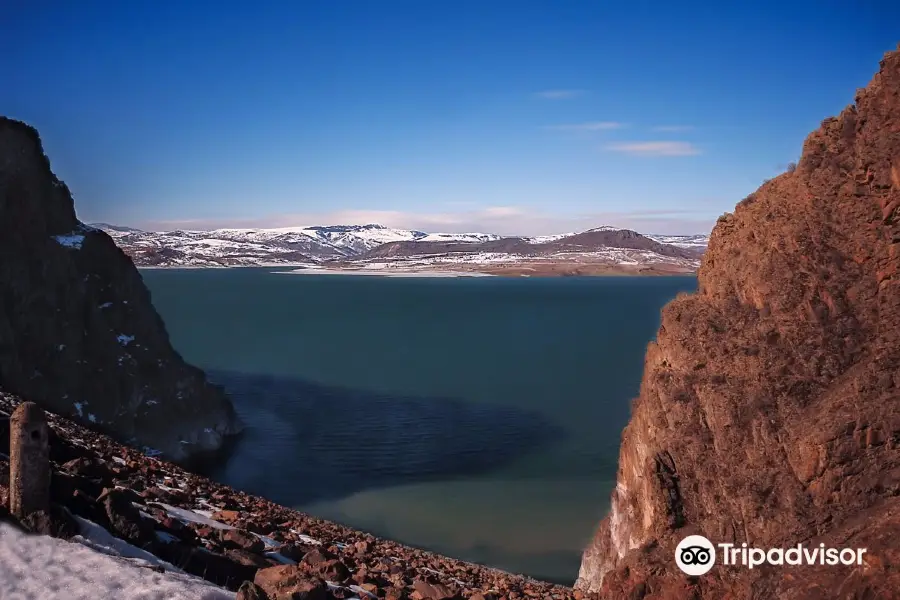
(78, 333)
(769, 410)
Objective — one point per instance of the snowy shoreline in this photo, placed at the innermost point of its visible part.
(384, 273)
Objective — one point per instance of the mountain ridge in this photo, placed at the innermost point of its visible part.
(318, 244)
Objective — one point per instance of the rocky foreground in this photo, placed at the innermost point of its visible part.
(243, 543)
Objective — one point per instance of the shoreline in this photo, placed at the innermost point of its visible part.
(189, 513)
(385, 273)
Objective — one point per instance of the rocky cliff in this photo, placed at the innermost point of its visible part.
(78, 333)
(769, 410)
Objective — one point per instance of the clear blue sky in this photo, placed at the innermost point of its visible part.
(506, 115)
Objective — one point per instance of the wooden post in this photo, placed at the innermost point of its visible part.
(29, 461)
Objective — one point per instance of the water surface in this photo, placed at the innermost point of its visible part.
(478, 417)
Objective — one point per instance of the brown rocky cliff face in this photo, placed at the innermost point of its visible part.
(769, 409)
(78, 333)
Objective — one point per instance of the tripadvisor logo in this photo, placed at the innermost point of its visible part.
(696, 555)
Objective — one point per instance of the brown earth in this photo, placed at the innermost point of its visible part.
(528, 268)
(587, 241)
(769, 410)
(78, 332)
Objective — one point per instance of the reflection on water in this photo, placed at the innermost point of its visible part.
(326, 442)
(477, 417)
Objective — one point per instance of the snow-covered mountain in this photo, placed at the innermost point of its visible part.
(312, 244)
(682, 241)
(473, 238)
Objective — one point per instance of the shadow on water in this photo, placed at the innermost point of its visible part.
(307, 442)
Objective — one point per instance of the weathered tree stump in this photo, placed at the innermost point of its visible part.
(29, 461)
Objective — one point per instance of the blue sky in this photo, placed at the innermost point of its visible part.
(509, 116)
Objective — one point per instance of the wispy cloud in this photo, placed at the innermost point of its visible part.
(658, 148)
(560, 94)
(590, 126)
(672, 128)
(503, 220)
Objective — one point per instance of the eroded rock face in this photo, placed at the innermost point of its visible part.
(78, 333)
(769, 409)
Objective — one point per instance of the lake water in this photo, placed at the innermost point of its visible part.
(476, 417)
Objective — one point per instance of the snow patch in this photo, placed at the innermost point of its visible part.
(189, 516)
(125, 339)
(73, 241)
(305, 538)
(93, 565)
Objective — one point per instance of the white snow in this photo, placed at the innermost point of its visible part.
(125, 339)
(78, 408)
(70, 241)
(305, 538)
(306, 246)
(682, 241)
(386, 273)
(92, 418)
(543, 239)
(460, 237)
(91, 566)
(105, 305)
(269, 542)
(189, 516)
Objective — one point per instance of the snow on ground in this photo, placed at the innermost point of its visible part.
(296, 246)
(682, 241)
(189, 516)
(45, 568)
(70, 241)
(384, 273)
(459, 237)
(543, 239)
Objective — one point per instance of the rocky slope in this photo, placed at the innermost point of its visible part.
(232, 539)
(78, 333)
(769, 410)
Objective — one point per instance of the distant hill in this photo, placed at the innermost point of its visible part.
(342, 243)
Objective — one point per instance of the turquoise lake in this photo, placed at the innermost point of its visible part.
(476, 417)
